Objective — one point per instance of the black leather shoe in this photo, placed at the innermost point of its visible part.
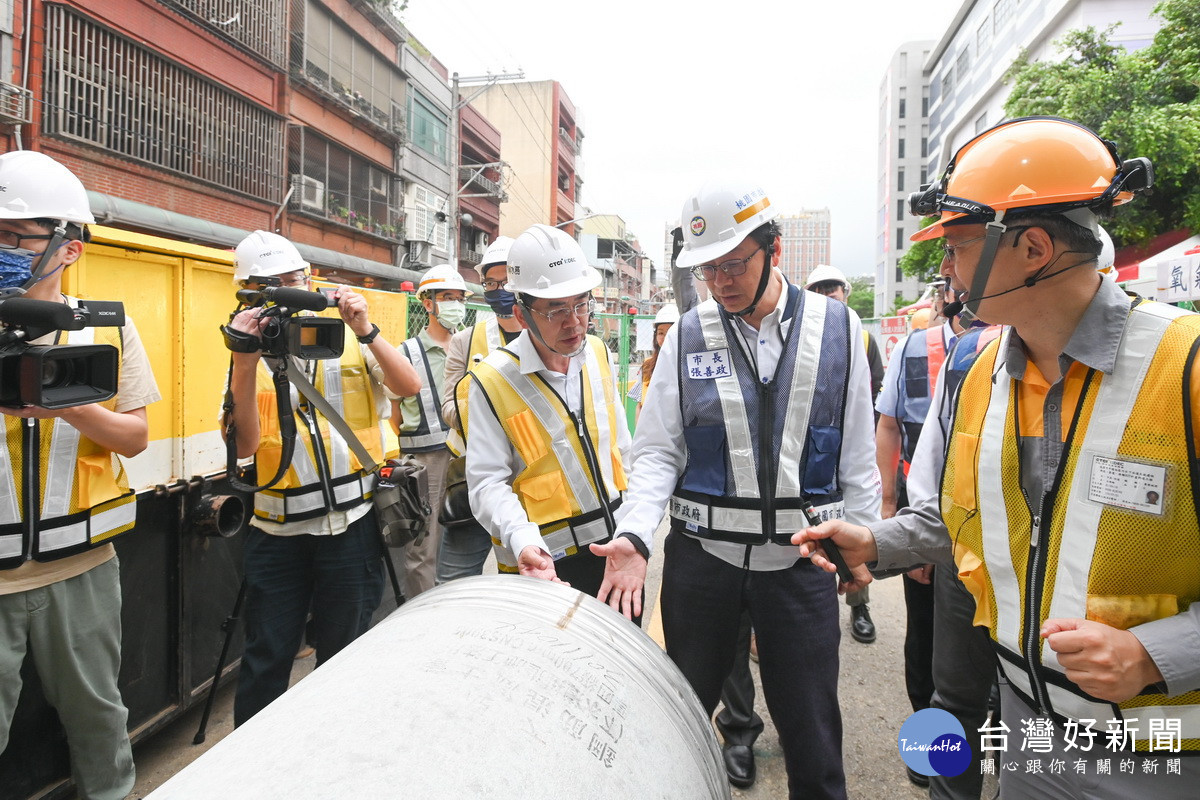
(861, 627)
(739, 763)
(917, 778)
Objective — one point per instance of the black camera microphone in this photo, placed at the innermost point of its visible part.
(296, 298)
(41, 313)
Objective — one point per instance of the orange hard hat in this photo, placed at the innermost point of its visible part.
(920, 319)
(1044, 163)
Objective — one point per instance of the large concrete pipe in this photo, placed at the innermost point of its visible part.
(490, 687)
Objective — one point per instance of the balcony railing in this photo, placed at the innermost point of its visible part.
(485, 184)
(361, 107)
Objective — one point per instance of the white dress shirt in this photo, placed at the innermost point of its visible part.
(661, 455)
(493, 462)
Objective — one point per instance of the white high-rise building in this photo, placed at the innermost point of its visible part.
(903, 140)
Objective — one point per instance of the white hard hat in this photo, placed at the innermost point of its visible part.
(496, 253)
(262, 254)
(545, 262)
(667, 315)
(35, 186)
(823, 273)
(1108, 253)
(719, 217)
(442, 276)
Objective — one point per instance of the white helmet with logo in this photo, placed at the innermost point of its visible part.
(262, 254)
(442, 276)
(496, 253)
(667, 315)
(719, 217)
(35, 186)
(824, 273)
(546, 262)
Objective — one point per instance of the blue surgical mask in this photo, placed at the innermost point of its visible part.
(16, 267)
(502, 302)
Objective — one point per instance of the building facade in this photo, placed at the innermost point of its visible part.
(542, 138)
(322, 120)
(806, 240)
(901, 160)
(481, 182)
(613, 249)
(966, 67)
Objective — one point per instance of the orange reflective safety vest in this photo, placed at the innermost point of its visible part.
(573, 475)
(1116, 539)
(80, 497)
(325, 474)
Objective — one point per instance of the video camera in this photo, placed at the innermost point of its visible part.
(55, 376)
(285, 333)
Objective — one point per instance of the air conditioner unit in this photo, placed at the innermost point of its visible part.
(311, 191)
(481, 241)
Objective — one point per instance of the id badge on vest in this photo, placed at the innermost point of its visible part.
(708, 365)
(1135, 485)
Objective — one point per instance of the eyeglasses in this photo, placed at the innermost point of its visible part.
(948, 250)
(491, 286)
(11, 240)
(732, 268)
(559, 315)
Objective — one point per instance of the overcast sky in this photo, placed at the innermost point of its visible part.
(672, 93)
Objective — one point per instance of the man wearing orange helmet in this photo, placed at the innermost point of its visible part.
(1063, 428)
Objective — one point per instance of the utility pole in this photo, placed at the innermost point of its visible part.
(456, 104)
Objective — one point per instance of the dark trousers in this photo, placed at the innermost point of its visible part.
(918, 642)
(737, 720)
(585, 571)
(795, 617)
(339, 577)
(964, 669)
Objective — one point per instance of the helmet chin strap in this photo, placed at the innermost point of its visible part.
(764, 278)
(60, 236)
(983, 269)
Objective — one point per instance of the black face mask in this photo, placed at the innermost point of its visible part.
(502, 302)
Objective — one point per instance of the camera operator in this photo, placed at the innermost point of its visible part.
(305, 549)
(63, 603)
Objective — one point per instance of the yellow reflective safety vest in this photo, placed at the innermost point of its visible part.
(1116, 539)
(485, 337)
(324, 474)
(573, 475)
(80, 497)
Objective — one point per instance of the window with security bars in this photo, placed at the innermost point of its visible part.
(257, 25)
(104, 90)
(339, 185)
(329, 56)
(421, 217)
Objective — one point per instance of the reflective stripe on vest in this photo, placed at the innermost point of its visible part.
(485, 337)
(809, 392)
(1101, 560)
(85, 500)
(301, 493)
(539, 428)
(431, 430)
(935, 350)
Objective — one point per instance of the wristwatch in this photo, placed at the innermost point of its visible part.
(370, 337)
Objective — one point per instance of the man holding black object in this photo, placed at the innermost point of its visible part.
(1087, 403)
(66, 495)
(760, 405)
(314, 538)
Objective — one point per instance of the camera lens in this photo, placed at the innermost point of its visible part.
(57, 372)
